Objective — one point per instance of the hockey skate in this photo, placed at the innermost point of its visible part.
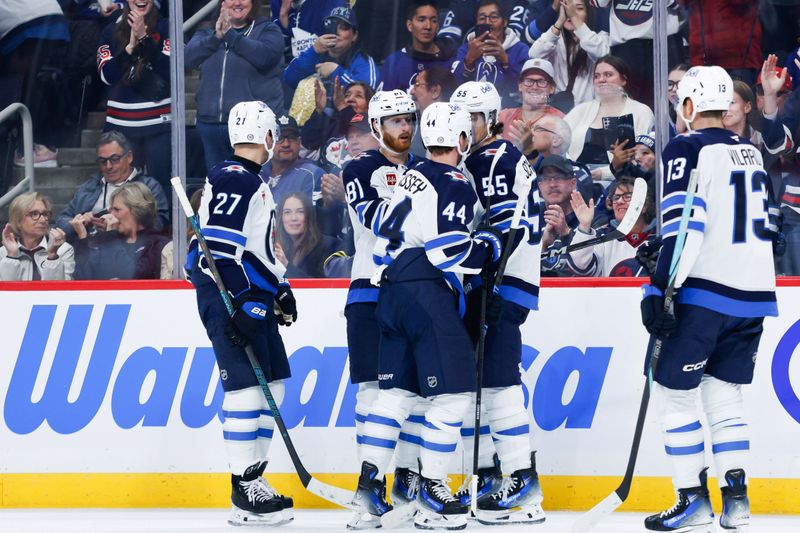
(489, 481)
(255, 502)
(370, 499)
(735, 503)
(438, 508)
(518, 501)
(692, 511)
(404, 490)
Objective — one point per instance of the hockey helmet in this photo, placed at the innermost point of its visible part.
(249, 122)
(709, 89)
(479, 97)
(388, 104)
(442, 125)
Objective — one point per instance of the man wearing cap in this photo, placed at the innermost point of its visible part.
(287, 172)
(556, 183)
(334, 54)
(403, 66)
(301, 22)
(536, 85)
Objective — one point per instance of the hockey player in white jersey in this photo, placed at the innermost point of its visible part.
(517, 497)
(237, 217)
(426, 244)
(369, 181)
(726, 286)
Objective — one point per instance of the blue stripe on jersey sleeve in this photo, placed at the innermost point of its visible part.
(672, 228)
(224, 235)
(445, 240)
(355, 296)
(519, 297)
(678, 199)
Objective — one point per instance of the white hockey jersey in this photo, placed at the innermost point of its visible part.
(433, 209)
(727, 263)
(369, 181)
(237, 217)
(616, 258)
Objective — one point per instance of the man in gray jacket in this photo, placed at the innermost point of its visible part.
(115, 158)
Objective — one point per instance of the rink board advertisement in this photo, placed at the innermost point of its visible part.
(116, 382)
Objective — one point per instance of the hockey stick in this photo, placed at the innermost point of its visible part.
(615, 499)
(638, 199)
(331, 493)
(480, 348)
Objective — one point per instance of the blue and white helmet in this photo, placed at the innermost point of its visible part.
(479, 97)
(388, 104)
(442, 124)
(249, 122)
(710, 88)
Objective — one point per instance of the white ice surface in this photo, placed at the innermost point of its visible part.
(306, 521)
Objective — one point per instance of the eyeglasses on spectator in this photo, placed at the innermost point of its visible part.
(531, 82)
(114, 159)
(494, 17)
(36, 215)
(624, 197)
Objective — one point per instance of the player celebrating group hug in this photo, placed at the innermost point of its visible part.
(446, 271)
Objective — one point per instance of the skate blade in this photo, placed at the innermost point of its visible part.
(531, 515)
(363, 520)
(430, 521)
(240, 517)
(399, 515)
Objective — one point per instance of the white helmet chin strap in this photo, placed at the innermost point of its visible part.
(270, 149)
(679, 111)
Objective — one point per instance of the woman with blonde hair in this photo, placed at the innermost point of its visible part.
(134, 250)
(31, 249)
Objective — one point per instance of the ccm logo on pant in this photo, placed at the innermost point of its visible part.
(696, 366)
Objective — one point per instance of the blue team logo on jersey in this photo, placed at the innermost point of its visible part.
(457, 176)
(781, 377)
(235, 168)
(490, 152)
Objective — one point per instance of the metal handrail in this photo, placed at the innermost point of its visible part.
(27, 150)
(198, 17)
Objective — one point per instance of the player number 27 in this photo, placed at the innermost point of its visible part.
(222, 198)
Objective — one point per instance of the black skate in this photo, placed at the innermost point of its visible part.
(692, 511)
(438, 508)
(370, 498)
(489, 481)
(255, 502)
(518, 501)
(735, 503)
(405, 487)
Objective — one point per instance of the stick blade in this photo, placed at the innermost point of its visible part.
(337, 495)
(638, 198)
(594, 515)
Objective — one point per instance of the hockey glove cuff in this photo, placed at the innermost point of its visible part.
(247, 320)
(285, 306)
(492, 238)
(657, 320)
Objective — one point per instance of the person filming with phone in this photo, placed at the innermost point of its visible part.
(492, 52)
(93, 198)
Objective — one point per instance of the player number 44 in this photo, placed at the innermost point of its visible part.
(451, 213)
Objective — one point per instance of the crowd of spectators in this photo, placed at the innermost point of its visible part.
(575, 77)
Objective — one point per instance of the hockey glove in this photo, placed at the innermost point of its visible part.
(647, 254)
(656, 319)
(493, 239)
(247, 319)
(285, 306)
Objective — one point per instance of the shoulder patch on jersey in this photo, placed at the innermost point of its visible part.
(234, 168)
(457, 176)
(490, 152)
